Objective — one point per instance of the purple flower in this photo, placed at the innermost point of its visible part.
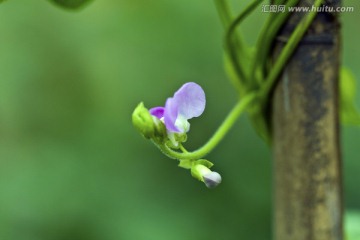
(187, 102)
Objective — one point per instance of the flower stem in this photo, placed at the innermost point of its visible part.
(249, 98)
(229, 41)
(288, 50)
(183, 149)
(274, 22)
(224, 128)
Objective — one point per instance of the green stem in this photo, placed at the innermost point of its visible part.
(265, 40)
(224, 128)
(248, 99)
(231, 47)
(183, 149)
(287, 51)
(226, 18)
(224, 12)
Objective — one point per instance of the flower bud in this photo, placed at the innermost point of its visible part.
(198, 171)
(212, 179)
(148, 126)
(204, 174)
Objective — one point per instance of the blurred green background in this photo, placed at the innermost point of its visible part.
(71, 164)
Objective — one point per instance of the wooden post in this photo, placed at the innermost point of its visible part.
(305, 125)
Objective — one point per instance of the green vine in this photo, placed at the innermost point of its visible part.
(249, 72)
(258, 89)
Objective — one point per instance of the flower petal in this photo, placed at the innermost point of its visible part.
(182, 124)
(189, 100)
(170, 115)
(157, 112)
(212, 179)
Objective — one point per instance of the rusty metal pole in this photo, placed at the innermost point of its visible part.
(305, 125)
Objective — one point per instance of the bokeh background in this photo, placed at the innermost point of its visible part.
(71, 164)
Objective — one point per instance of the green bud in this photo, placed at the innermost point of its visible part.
(198, 171)
(160, 130)
(148, 125)
(205, 175)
